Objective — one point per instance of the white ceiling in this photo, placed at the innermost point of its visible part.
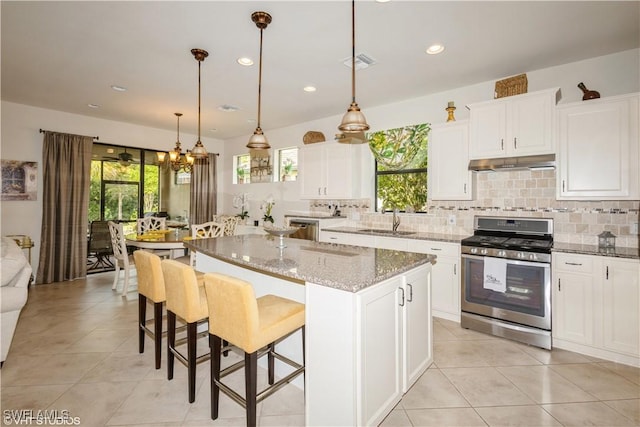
(65, 55)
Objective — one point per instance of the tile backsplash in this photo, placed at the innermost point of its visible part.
(512, 194)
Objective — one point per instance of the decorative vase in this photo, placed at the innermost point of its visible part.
(588, 94)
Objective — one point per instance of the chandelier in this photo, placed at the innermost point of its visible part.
(258, 141)
(178, 161)
(353, 121)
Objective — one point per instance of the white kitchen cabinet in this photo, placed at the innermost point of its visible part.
(395, 339)
(520, 125)
(347, 238)
(333, 170)
(598, 150)
(449, 175)
(596, 305)
(391, 243)
(445, 277)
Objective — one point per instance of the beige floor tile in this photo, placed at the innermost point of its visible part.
(544, 385)
(94, 404)
(450, 417)
(457, 354)
(100, 341)
(441, 333)
(485, 387)
(49, 369)
(433, 390)
(289, 400)
(118, 367)
(630, 408)
(512, 416)
(282, 420)
(502, 353)
(587, 414)
(31, 397)
(397, 418)
(45, 342)
(554, 357)
(629, 372)
(598, 381)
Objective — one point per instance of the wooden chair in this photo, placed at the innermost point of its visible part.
(230, 223)
(185, 299)
(202, 231)
(251, 325)
(123, 260)
(153, 223)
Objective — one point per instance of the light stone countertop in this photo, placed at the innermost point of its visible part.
(344, 267)
(439, 237)
(574, 248)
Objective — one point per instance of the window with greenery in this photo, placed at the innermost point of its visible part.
(287, 159)
(242, 168)
(401, 168)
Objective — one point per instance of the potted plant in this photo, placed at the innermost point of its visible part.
(241, 175)
(241, 201)
(287, 168)
(267, 206)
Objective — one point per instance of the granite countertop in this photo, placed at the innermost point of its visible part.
(344, 267)
(438, 237)
(574, 248)
(314, 215)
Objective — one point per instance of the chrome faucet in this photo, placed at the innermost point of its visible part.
(396, 220)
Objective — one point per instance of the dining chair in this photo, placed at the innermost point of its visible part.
(205, 230)
(123, 261)
(186, 299)
(153, 223)
(255, 326)
(99, 249)
(230, 222)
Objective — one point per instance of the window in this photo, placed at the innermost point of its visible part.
(287, 159)
(401, 168)
(242, 168)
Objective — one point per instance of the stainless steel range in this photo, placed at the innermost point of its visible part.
(506, 278)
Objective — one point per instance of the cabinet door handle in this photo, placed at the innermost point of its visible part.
(515, 142)
(319, 193)
(607, 272)
(436, 249)
(455, 269)
(401, 297)
(410, 292)
(465, 189)
(559, 285)
(502, 144)
(325, 191)
(333, 238)
(563, 185)
(573, 263)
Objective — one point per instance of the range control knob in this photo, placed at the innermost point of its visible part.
(483, 251)
(533, 257)
(473, 250)
(502, 254)
(521, 255)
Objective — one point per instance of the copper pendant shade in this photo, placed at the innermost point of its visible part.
(353, 121)
(198, 150)
(258, 141)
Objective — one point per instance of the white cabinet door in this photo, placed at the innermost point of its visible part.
(418, 335)
(573, 298)
(449, 175)
(338, 170)
(520, 125)
(391, 243)
(598, 150)
(347, 238)
(380, 346)
(312, 172)
(621, 305)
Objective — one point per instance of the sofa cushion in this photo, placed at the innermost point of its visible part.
(12, 260)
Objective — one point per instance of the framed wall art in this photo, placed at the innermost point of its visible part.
(19, 180)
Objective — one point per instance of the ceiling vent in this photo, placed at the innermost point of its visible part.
(362, 61)
(228, 108)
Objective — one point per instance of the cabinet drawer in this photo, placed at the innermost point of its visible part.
(573, 263)
(434, 247)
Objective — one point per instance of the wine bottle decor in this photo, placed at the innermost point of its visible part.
(588, 94)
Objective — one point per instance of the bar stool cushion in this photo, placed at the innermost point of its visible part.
(249, 323)
(183, 298)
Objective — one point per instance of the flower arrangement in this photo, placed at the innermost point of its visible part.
(241, 201)
(267, 206)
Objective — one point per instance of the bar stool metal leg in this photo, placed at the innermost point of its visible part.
(171, 342)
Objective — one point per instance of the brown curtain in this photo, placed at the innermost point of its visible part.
(203, 190)
(66, 175)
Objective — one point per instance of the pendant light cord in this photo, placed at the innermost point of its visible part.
(353, 51)
(260, 79)
(199, 64)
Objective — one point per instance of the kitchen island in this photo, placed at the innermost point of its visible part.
(368, 318)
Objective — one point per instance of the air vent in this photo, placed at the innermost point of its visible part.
(362, 61)
(228, 108)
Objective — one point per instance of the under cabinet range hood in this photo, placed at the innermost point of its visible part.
(546, 161)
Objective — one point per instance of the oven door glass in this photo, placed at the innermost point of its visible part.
(526, 299)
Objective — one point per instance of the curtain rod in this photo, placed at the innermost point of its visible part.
(97, 138)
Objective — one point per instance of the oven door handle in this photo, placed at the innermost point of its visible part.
(472, 256)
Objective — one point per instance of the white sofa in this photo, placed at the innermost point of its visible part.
(16, 274)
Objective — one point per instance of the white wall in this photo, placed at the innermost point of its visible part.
(21, 140)
(610, 75)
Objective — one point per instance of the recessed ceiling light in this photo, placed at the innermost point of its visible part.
(245, 61)
(435, 49)
(228, 108)
(110, 150)
(251, 120)
(309, 89)
(93, 105)
(382, 1)
(118, 88)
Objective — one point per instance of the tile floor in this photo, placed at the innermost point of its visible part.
(75, 349)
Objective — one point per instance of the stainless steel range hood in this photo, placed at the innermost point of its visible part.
(547, 161)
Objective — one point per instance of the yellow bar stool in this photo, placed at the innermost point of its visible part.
(185, 299)
(254, 326)
(150, 287)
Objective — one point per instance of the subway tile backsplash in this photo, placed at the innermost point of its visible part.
(514, 194)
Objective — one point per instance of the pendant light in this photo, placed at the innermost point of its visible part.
(198, 151)
(353, 120)
(258, 141)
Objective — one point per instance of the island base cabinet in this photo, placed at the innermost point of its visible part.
(387, 331)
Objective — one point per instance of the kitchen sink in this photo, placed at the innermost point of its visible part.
(390, 232)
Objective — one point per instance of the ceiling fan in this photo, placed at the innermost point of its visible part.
(124, 158)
